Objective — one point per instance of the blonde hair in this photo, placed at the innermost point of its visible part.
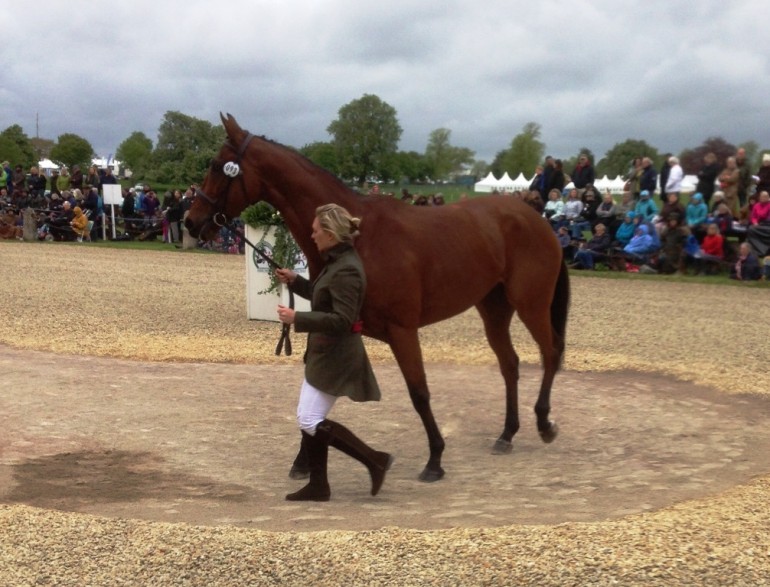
(336, 220)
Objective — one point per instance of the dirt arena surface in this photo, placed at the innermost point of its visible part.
(141, 395)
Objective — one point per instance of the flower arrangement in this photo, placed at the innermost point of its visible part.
(286, 252)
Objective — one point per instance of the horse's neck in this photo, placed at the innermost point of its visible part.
(297, 193)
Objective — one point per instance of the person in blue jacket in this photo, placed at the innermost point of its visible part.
(696, 214)
(646, 207)
(640, 246)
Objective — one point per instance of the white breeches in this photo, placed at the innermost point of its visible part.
(313, 407)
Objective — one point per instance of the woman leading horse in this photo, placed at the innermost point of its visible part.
(423, 265)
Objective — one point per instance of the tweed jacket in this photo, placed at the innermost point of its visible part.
(335, 360)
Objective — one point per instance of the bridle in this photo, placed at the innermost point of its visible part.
(232, 169)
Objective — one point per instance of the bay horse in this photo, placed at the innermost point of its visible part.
(423, 265)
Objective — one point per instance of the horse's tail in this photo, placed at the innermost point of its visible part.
(560, 309)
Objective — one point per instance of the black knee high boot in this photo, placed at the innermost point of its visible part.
(318, 487)
(336, 435)
(300, 468)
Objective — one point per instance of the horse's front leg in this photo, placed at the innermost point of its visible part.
(405, 344)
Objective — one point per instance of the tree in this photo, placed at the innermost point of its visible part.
(691, 160)
(524, 154)
(323, 154)
(184, 148)
(442, 157)
(412, 166)
(135, 153)
(16, 147)
(365, 133)
(71, 150)
(617, 160)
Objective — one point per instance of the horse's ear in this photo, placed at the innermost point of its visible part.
(231, 126)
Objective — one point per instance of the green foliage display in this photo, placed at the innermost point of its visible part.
(365, 133)
(286, 251)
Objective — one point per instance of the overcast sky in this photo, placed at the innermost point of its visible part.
(590, 73)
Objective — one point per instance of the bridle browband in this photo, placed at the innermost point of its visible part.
(232, 169)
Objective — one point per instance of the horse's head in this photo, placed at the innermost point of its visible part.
(222, 196)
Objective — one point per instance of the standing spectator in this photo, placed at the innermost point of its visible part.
(109, 178)
(36, 187)
(545, 178)
(763, 184)
(556, 179)
(92, 179)
(4, 177)
(665, 171)
(189, 198)
(744, 176)
(54, 179)
(675, 177)
(634, 177)
(8, 177)
(149, 207)
(728, 182)
(537, 180)
(19, 179)
(63, 181)
(76, 179)
(707, 177)
(583, 174)
(649, 176)
(174, 216)
(127, 210)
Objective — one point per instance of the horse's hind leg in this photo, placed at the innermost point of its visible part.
(405, 344)
(537, 319)
(497, 312)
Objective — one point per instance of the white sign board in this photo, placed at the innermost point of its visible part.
(261, 305)
(112, 194)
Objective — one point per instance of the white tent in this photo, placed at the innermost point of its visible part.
(689, 183)
(505, 182)
(488, 184)
(521, 182)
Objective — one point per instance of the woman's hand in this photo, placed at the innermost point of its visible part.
(285, 315)
(286, 276)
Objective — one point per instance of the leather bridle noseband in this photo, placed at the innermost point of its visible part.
(232, 169)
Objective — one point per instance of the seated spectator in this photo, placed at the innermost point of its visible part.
(672, 207)
(595, 249)
(716, 199)
(421, 200)
(79, 223)
(758, 233)
(573, 208)
(722, 218)
(625, 231)
(695, 216)
(534, 199)
(565, 240)
(641, 245)
(711, 252)
(587, 218)
(763, 175)
(607, 213)
(646, 207)
(626, 204)
(674, 238)
(746, 268)
(554, 208)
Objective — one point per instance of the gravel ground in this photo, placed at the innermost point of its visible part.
(186, 307)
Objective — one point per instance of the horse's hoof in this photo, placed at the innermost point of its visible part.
(502, 447)
(299, 473)
(550, 434)
(431, 475)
